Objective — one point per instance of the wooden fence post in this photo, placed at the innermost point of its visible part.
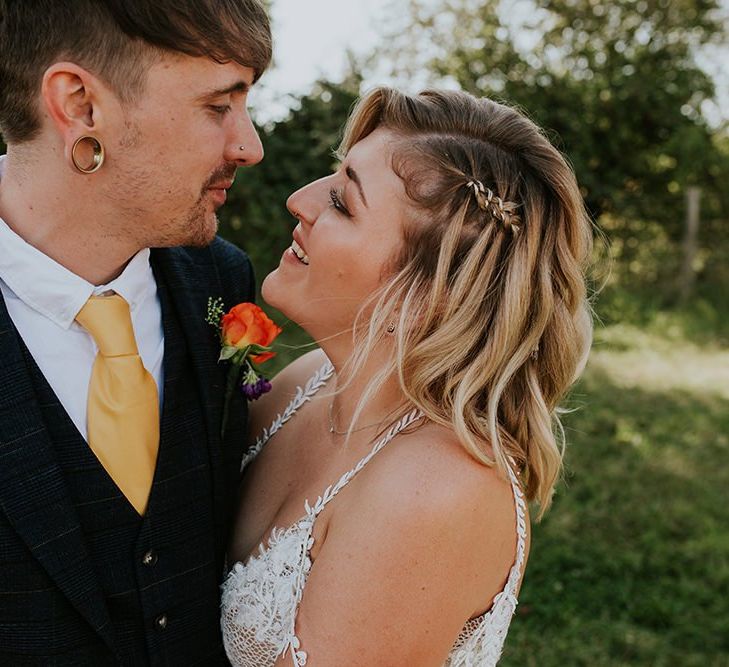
(688, 273)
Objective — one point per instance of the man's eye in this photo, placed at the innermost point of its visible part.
(336, 201)
(222, 110)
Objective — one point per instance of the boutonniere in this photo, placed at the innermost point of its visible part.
(246, 334)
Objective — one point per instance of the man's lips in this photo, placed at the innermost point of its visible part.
(219, 192)
(221, 186)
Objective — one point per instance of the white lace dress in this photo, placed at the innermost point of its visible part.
(260, 597)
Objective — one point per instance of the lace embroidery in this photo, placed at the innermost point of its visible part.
(260, 597)
(316, 382)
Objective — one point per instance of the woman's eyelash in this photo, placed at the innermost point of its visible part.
(336, 199)
(222, 110)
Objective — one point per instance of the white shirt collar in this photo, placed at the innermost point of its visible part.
(54, 291)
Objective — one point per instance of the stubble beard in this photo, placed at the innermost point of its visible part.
(195, 227)
(201, 225)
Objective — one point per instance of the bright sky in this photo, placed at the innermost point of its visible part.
(311, 38)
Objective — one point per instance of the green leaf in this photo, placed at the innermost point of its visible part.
(227, 352)
(258, 349)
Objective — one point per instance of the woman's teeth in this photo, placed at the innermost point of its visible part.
(299, 252)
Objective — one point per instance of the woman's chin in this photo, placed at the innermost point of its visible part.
(271, 292)
(276, 292)
(279, 291)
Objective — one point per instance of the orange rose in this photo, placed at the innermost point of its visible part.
(246, 324)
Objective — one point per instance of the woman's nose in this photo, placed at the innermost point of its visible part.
(295, 206)
(304, 205)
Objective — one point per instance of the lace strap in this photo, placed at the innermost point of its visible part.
(521, 531)
(298, 656)
(315, 382)
(332, 491)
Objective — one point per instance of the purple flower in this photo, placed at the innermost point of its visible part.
(254, 390)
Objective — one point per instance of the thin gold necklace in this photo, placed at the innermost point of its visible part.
(333, 429)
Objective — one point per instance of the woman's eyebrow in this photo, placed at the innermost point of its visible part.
(352, 174)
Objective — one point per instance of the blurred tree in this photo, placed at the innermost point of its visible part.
(298, 150)
(616, 85)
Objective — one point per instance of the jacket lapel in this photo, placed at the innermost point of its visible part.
(187, 285)
(32, 489)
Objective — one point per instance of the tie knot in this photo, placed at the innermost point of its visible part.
(109, 321)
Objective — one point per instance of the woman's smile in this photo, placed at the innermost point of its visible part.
(299, 252)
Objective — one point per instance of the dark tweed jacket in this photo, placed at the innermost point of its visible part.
(83, 579)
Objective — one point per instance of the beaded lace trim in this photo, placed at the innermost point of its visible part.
(316, 382)
(260, 598)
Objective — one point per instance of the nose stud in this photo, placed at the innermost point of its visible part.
(241, 148)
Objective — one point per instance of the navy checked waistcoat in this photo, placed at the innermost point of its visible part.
(83, 579)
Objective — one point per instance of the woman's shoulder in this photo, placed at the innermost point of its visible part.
(297, 374)
(284, 388)
(430, 472)
(454, 516)
(426, 482)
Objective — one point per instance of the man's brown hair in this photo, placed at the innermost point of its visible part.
(116, 40)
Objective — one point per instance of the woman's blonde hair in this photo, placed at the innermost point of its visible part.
(488, 294)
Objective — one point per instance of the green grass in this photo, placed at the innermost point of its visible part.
(631, 565)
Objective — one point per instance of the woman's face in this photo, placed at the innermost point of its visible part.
(350, 227)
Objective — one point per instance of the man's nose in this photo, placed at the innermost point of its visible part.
(244, 147)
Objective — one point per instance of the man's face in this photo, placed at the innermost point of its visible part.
(177, 151)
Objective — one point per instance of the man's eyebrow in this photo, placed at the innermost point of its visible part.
(237, 87)
(353, 175)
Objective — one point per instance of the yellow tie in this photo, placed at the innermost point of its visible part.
(123, 409)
